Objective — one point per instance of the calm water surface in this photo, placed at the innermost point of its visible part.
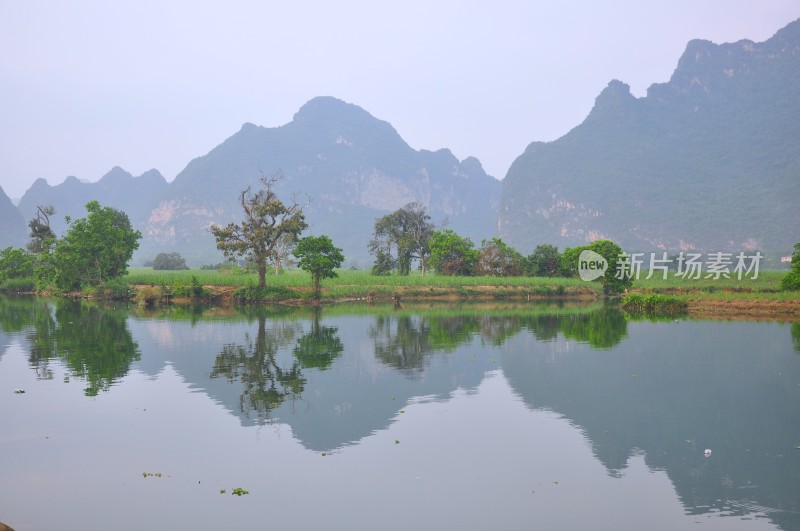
(354, 418)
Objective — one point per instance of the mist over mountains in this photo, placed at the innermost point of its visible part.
(709, 160)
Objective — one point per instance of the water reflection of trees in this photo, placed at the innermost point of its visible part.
(318, 348)
(92, 341)
(268, 370)
(406, 342)
(267, 381)
(796, 336)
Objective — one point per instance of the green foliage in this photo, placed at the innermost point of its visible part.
(612, 253)
(18, 285)
(653, 304)
(791, 282)
(497, 259)
(169, 262)
(95, 249)
(267, 221)
(408, 230)
(452, 255)
(254, 293)
(384, 263)
(15, 263)
(544, 262)
(319, 257)
(118, 289)
(614, 281)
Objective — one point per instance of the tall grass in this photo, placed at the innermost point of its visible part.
(766, 281)
(349, 279)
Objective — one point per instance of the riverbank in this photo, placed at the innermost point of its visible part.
(705, 298)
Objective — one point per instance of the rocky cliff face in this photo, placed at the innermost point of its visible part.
(709, 160)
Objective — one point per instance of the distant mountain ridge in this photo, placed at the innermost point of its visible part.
(117, 188)
(708, 161)
(352, 167)
(349, 166)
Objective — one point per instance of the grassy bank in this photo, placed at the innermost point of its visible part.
(351, 285)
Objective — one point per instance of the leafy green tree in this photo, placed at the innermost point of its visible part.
(15, 263)
(169, 262)
(791, 282)
(615, 280)
(267, 220)
(95, 249)
(498, 259)
(451, 254)
(318, 256)
(544, 262)
(407, 231)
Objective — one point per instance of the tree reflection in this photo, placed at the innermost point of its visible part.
(267, 382)
(601, 328)
(401, 342)
(406, 342)
(796, 336)
(319, 347)
(92, 341)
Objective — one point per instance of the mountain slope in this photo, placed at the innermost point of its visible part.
(117, 188)
(13, 230)
(709, 160)
(352, 167)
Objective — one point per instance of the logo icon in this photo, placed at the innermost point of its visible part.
(591, 265)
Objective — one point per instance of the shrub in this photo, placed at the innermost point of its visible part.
(655, 304)
(118, 289)
(18, 285)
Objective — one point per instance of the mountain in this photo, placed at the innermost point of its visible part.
(135, 196)
(13, 229)
(351, 166)
(709, 160)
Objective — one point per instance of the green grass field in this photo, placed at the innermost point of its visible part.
(361, 283)
(347, 279)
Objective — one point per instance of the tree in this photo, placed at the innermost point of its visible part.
(42, 236)
(169, 262)
(318, 256)
(267, 220)
(544, 262)
(281, 255)
(497, 259)
(451, 254)
(407, 230)
(791, 282)
(95, 249)
(15, 263)
(614, 281)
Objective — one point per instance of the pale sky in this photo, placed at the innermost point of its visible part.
(88, 85)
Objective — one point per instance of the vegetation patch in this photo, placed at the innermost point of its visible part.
(253, 293)
(654, 304)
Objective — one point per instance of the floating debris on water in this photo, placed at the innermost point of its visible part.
(19, 391)
(707, 453)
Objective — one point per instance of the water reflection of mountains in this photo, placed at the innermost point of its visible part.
(668, 390)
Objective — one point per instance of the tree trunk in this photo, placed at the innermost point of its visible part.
(262, 274)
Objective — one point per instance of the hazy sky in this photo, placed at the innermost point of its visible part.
(85, 86)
